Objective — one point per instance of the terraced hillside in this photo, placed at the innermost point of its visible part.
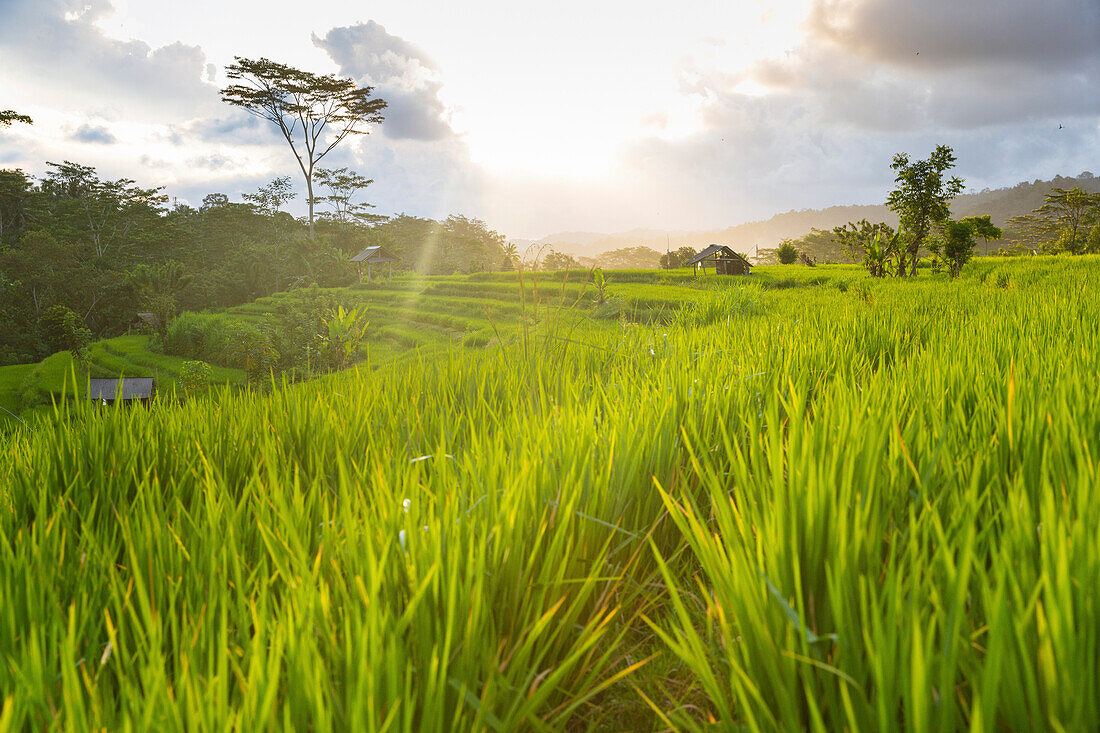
(409, 315)
(839, 504)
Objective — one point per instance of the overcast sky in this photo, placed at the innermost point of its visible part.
(570, 115)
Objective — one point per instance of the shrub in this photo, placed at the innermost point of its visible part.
(787, 253)
(194, 376)
(198, 336)
(62, 330)
(218, 339)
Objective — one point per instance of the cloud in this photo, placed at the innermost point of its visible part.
(993, 79)
(237, 127)
(94, 134)
(401, 73)
(952, 34)
(53, 50)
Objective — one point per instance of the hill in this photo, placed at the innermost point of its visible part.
(1001, 204)
(806, 498)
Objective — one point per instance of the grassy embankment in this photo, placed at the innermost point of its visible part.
(409, 314)
(869, 505)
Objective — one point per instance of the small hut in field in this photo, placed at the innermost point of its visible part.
(721, 260)
(127, 389)
(375, 256)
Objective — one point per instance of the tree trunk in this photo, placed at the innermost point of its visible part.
(309, 192)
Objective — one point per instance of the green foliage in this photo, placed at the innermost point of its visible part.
(674, 259)
(726, 305)
(436, 248)
(958, 245)
(343, 184)
(195, 377)
(199, 336)
(827, 247)
(554, 260)
(1063, 223)
(983, 227)
(786, 252)
(601, 283)
(346, 330)
(921, 199)
(878, 244)
(820, 511)
(62, 330)
(159, 288)
(8, 116)
(314, 112)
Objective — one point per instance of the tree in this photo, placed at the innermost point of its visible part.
(8, 116)
(346, 330)
(214, 201)
(786, 252)
(17, 199)
(559, 261)
(958, 244)
(268, 201)
(877, 245)
(314, 112)
(983, 226)
(106, 215)
(342, 185)
(511, 256)
(159, 288)
(1063, 222)
(921, 199)
(62, 330)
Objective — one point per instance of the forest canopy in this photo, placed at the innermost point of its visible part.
(106, 249)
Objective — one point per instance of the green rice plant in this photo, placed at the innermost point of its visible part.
(725, 305)
(788, 508)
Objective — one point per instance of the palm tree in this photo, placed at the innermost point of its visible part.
(511, 254)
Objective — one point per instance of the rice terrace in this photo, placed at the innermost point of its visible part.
(283, 459)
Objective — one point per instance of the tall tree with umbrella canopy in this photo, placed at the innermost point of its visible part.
(314, 112)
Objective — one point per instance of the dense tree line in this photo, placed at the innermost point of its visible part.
(109, 249)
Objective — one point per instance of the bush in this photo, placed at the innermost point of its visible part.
(198, 336)
(62, 330)
(787, 253)
(218, 339)
(194, 376)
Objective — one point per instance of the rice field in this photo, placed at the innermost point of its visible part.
(815, 500)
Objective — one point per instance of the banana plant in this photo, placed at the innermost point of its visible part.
(878, 253)
(346, 330)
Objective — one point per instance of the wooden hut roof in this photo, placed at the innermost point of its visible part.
(373, 255)
(717, 250)
(133, 388)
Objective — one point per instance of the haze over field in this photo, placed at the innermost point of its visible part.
(571, 117)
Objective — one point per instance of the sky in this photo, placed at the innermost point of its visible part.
(569, 116)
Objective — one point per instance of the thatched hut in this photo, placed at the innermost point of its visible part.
(373, 256)
(721, 260)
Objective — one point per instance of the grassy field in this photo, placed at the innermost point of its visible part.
(808, 500)
(409, 314)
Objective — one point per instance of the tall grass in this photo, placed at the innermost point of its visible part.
(829, 512)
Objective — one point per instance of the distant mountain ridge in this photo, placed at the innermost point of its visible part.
(1001, 204)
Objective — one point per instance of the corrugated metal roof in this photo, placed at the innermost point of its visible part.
(133, 388)
(373, 255)
(717, 249)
